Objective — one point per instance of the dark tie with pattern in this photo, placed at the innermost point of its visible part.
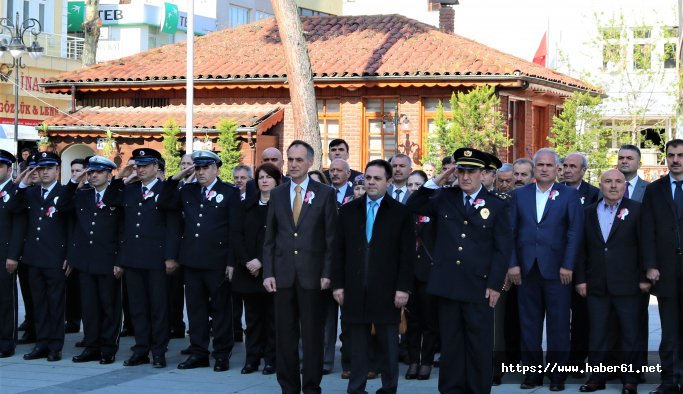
(44, 193)
(626, 193)
(678, 198)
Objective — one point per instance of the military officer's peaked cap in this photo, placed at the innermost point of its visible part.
(47, 159)
(6, 157)
(203, 158)
(494, 162)
(99, 163)
(145, 156)
(471, 159)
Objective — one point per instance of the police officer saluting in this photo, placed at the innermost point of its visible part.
(211, 210)
(45, 254)
(473, 246)
(92, 252)
(12, 227)
(147, 252)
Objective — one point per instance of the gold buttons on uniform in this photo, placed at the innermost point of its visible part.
(201, 205)
(37, 239)
(137, 224)
(296, 234)
(462, 235)
(139, 204)
(90, 242)
(92, 223)
(39, 218)
(465, 222)
(459, 248)
(457, 262)
(139, 214)
(91, 233)
(137, 236)
(196, 235)
(38, 228)
(197, 224)
(296, 252)
(200, 215)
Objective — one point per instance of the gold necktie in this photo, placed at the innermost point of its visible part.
(296, 208)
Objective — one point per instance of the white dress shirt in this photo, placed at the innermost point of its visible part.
(541, 199)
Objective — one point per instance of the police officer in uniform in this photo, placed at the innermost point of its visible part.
(473, 245)
(93, 249)
(45, 255)
(12, 227)
(148, 251)
(211, 209)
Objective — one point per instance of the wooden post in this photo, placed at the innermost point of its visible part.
(299, 76)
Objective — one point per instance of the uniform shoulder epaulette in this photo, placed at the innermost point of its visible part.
(502, 196)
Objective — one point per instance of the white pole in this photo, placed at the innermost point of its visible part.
(189, 84)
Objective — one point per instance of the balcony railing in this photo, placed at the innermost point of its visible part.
(53, 44)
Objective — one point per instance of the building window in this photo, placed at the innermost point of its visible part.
(329, 118)
(670, 31)
(41, 14)
(309, 12)
(670, 55)
(238, 15)
(263, 15)
(642, 56)
(380, 128)
(642, 32)
(10, 12)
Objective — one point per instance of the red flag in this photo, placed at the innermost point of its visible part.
(541, 52)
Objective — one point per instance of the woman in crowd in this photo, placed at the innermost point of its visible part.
(422, 331)
(359, 186)
(318, 176)
(248, 277)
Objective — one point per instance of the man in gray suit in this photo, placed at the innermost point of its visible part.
(402, 166)
(628, 164)
(297, 265)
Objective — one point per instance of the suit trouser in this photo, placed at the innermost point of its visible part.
(148, 310)
(387, 339)
(466, 346)
(628, 310)
(512, 326)
(207, 291)
(237, 308)
(47, 291)
(499, 344)
(127, 319)
(422, 325)
(299, 313)
(579, 330)
(72, 306)
(331, 321)
(259, 314)
(670, 354)
(541, 298)
(176, 300)
(24, 284)
(8, 310)
(101, 305)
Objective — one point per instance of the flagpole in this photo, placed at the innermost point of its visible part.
(189, 80)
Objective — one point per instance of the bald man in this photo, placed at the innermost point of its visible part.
(340, 171)
(610, 274)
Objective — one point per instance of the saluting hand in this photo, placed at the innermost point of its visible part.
(26, 174)
(125, 171)
(439, 180)
(183, 174)
(492, 296)
(401, 299)
(11, 265)
(565, 276)
(269, 284)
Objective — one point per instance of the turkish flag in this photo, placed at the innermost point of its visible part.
(541, 52)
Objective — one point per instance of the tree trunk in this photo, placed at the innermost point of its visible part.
(299, 76)
(91, 30)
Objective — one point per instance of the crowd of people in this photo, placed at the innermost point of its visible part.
(466, 261)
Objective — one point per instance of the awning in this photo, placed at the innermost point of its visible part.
(26, 133)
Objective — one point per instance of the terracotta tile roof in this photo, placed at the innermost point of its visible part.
(339, 47)
(205, 116)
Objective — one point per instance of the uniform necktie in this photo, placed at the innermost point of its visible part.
(144, 191)
(370, 221)
(397, 194)
(468, 203)
(203, 193)
(296, 207)
(678, 198)
(44, 193)
(626, 194)
(98, 198)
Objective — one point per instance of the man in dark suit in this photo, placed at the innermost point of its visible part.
(661, 224)
(574, 169)
(473, 243)
(12, 228)
(339, 149)
(148, 252)
(93, 250)
(372, 282)
(339, 176)
(297, 254)
(211, 209)
(402, 167)
(45, 254)
(547, 220)
(628, 162)
(610, 274)
(28, 325)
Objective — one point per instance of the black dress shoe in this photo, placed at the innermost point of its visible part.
(531, 382)
(159, 361)
(87, 355)
(105, 360)
(177, 333)
(589, 387)
(437, 363)
(666, 389)
(326, 371)
(136, 359)
(28, 337)
(7, 353)
(194, 362)
(411, 373)
(556, 386)
(221, 365)
(36, 354)
(72, 328)
(629, 388)
(497, 381)
(54, 356)
(268, 370)
(80, 344)
(425, 372)
(186, 351)
(251, 368)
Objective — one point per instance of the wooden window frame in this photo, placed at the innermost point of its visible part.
(367, 116)
(323, 118)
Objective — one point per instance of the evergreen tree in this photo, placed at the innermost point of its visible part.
(170, 152)
(230, 148)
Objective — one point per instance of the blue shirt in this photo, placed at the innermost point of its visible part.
(473, 196)
(673, 186)
(341, 192)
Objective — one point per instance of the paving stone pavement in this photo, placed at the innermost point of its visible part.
(40, 376)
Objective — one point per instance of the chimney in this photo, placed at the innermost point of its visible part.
(446, 18)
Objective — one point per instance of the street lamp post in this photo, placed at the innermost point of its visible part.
(17, 48)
